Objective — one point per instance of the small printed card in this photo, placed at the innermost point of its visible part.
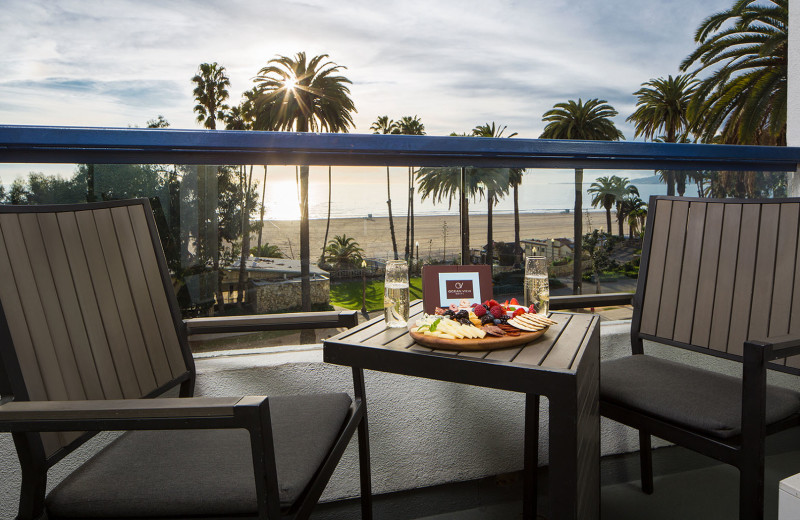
(458, 284)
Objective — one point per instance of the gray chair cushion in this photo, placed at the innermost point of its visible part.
(182, 473)
(695, 398)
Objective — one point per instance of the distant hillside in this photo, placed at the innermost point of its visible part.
(647, 180)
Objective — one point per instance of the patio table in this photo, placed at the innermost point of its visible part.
(563, 365)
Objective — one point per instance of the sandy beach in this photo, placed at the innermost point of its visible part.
(375, 238)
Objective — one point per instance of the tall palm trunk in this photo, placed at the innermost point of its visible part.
(305, 249)
(328, 224)
(489, 230)
(391, 220)
(517, 247)
(408, 216)
(620, 220)
(577, 271)
(680, 183)
(263, 195)
(608, 218)
(245, 183)
(411, 206)
(670, 175)
(465, 256)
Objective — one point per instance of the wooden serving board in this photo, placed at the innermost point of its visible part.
(487, 343)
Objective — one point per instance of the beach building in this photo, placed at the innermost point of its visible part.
(273, 284)
(551, 248)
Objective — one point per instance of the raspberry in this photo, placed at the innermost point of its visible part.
(479, 311)
(517, 312)
(496, 311)
(492, 303)
(532, 309)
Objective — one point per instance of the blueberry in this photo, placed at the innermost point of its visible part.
(496, 321)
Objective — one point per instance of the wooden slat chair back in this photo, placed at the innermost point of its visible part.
(717, 273)
(90, 329)
(87, 312)
(719, 277)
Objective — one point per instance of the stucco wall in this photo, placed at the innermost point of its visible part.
(278, 296)
(422, 432)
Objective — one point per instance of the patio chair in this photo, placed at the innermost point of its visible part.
(718, 277)
(90, 333)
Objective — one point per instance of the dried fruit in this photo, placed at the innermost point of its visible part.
(494, 331)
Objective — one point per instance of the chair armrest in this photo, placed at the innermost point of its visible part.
(581, 301)
(127, 414)
(265, 322)
(777, 347)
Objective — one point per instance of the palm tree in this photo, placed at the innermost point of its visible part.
(445, 183)
(745, 96)
(605, 195)
(384, 125)
(210, 93)
(662, 111)
(268, 251)
(637, 215)
(622, 188)
(305, 95)
(343, 251)
(410, 126)
(589, 121)
(634, 209)
(495, 185)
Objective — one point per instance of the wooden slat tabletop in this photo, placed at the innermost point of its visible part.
(557, 349)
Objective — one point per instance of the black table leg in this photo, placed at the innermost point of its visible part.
(365, 471)
(574, 473)
(531, 456)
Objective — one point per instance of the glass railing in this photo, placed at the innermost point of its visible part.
(231, 232)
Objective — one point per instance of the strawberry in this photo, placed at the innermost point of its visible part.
(532, 309)
(496, 311)
(514, 301)
(492, 303)
(520, 310)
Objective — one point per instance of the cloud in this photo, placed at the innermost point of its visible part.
(454, 63)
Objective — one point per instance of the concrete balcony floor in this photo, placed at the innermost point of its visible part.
(687, 486)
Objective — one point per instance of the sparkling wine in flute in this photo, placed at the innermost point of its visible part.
(395, 303)
(537, 293)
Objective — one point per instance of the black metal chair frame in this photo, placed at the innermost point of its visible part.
(745, 451)
(25, 419)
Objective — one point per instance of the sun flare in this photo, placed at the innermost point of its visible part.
(290, 83)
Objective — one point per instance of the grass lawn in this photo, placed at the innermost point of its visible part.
(348, 294)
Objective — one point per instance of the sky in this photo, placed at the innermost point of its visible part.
(455, 64)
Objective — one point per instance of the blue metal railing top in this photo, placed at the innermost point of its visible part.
(43, 144)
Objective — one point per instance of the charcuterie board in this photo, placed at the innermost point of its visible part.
(486, 343)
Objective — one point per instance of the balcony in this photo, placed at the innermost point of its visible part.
(428, 448)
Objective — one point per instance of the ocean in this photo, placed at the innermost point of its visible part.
(362, 194)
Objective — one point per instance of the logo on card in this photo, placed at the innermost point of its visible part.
(458, 289)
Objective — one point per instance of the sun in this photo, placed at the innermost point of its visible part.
(290, 83)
